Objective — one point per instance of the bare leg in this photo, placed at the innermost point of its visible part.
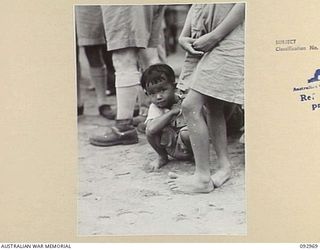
(218, 133)
(154, 141)
(200, 181)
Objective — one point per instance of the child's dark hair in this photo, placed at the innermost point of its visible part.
(156, 73)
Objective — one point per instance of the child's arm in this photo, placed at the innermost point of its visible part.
(157, 124)
(185, 39)
(234, 18)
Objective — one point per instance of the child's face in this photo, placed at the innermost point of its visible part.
(162, 93)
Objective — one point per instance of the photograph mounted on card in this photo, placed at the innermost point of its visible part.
(161, 119)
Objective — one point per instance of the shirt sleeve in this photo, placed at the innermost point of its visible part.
(154, 112)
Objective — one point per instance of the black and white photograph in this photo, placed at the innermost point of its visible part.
(160, 116)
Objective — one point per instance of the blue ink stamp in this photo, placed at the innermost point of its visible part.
(316, 77)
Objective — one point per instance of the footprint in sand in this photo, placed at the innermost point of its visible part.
(149, 193)
(104, 217)
(180, 217)
(128, 216)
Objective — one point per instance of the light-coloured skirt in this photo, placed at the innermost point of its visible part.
(220, 72)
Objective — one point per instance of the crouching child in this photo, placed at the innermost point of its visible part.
(166, 128)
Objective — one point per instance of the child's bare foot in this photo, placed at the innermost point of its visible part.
(189, 184)
(221, 176)
(159, 162)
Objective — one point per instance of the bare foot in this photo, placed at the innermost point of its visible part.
(159, 162)
(189, 184)
(221, 176)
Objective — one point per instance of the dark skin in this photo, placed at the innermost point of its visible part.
(162, 95)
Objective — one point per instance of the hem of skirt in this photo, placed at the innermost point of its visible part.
(220, 97)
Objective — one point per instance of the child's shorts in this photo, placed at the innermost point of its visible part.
(171, 140)
(89, 25)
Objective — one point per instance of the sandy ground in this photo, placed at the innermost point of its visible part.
(119, 195)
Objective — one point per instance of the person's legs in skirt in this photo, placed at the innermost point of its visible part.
(200, 181)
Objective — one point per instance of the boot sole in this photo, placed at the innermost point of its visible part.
(104, 144)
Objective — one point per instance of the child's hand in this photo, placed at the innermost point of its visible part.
(186, 44)
(175, 111)
(205, 43)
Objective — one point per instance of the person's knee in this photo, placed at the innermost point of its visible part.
(190, 108)
(126, 68)
(125, 60)
(148, 133)
(152, 138)
(185, 136)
